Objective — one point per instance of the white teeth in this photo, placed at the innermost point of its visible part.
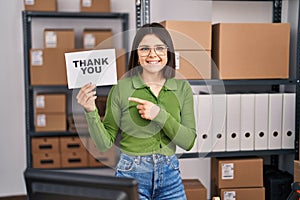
(153, 62)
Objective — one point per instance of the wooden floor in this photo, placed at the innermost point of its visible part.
(13, 198)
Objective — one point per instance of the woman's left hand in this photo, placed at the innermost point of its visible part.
(147, 109)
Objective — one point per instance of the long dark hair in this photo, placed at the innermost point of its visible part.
(159, 31)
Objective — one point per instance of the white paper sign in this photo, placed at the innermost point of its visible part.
(94, 66)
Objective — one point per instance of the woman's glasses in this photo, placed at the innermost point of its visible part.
(160, 50)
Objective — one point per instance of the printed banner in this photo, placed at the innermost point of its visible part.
(94, 66)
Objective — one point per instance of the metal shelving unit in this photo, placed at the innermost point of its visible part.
(27, 18)
(143, 17)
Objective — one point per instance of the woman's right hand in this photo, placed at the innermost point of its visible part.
(86, 97)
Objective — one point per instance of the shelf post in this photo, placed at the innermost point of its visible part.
(28, 96)
(142, 8)
(277, 5)
(297, 117)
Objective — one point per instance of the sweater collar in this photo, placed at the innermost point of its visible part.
(138, 83)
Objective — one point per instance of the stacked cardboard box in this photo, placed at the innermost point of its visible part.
(47, 66)
(45, 152)
(194, 189)
(101, 159)
(192, 43)
(77, 123)
(70, 152)
(59, 38)
(237, 178)
(50, 112)
(251, 50)
(51, 5)
(73, 152)
(296, 171)
(121, 63)
(40, 5)
(100, 38)
(95, 5)
(101, 105)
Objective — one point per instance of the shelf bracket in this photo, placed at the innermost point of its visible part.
(142, 8)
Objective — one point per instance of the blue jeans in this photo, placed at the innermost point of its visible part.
(158, 176)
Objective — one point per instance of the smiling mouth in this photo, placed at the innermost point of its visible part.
(153, 62)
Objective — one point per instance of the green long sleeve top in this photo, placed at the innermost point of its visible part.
(174, 125)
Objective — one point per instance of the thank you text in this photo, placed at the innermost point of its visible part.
(94, 66)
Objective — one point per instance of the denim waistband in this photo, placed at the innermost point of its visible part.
(156, 158)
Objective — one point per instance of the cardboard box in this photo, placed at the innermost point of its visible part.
(50, 122)
(59, 38)
(45, 145)
(94, 5)
(74, 159)
(194, 189)
(72, 144)
(100, 38)
(296, 171)
(104, 160)
(193, 65)
(251, 50)
(97, 158)
(46, 160)
(121, 63)
(189, 35)
(236, 172)
(40, 5)
(47, 67)
(101, 105)
(50, 103)
(243, 193)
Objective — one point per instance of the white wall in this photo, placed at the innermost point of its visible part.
(12, 116)
(12, 120)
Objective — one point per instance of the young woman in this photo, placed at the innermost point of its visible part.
(154, 113)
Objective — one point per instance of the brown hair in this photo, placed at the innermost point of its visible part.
(161, 32)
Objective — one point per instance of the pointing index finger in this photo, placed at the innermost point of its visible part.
(137, 100)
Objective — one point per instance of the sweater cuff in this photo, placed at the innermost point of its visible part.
(162, 117)
(92, 114)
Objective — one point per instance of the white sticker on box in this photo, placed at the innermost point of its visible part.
(86, 3)
(51, 39)
(89, 41)
(37, 58)
(41, 120)
(29, 2)
(227, 171)
(40, 101)
(177, 60)
(229, 195)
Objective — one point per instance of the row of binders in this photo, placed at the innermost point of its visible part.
(244, 122)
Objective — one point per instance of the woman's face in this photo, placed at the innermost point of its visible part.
(152, 53)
